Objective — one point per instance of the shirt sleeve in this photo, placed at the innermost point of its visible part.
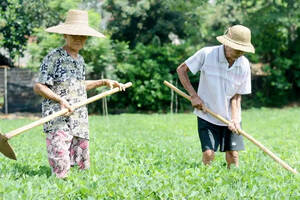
(196, 61)
(47, 71)
(245, 87)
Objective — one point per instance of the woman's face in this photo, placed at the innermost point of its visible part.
(75, 42)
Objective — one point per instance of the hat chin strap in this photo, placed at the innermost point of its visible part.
(227, 31)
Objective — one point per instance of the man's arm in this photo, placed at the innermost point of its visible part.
(235, 102)
(182, 72)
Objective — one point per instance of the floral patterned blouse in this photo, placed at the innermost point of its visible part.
(65, 76)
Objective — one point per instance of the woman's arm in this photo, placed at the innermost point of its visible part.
(46, 92)
(91, 84)
(235, 109)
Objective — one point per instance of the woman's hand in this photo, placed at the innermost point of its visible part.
(234, 126)
(113, 84)
(64, 104)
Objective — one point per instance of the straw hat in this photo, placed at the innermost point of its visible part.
(237, 37)
(77, 23)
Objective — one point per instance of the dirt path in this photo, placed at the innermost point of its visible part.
(33, 116)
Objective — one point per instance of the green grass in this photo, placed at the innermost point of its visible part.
(135, 156)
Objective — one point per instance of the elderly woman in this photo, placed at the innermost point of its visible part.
(62, 83)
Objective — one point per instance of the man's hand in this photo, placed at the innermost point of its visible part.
(64, 104)
(198, 103)
(113, 84)
(234, 126)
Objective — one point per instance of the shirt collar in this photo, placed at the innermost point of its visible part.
(222, 58)
(65, 53)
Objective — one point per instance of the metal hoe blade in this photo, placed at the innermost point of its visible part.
(6, 149)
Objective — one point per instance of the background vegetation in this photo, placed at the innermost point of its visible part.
(147, 40)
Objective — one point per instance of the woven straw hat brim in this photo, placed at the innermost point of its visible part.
(242, 47)
(74, 29)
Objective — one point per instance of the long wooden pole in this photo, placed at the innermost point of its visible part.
(249, 137)
(5, 91)
(62, 112)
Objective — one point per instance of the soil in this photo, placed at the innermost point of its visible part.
(33, 116)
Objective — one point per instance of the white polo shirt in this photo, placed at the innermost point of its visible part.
(219, 83)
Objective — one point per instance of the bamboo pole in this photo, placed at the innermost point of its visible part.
(5, 91)
(241, 132)
(176, 99)
(104, 101)
(172, 98)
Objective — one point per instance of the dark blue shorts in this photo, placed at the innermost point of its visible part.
(212, 136)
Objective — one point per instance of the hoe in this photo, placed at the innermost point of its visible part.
(6, 149)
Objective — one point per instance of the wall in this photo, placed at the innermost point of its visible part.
(21, 97)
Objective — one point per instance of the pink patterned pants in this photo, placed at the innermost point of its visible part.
(65, 150)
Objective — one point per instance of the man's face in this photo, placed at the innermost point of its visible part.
(75, 42)
(232, 54)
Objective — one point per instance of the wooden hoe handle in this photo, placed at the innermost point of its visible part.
(63, 111)
(249, 137)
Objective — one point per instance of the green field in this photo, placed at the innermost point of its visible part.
(135, 156)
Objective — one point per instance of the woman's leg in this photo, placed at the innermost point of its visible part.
(79, 152)
(58, 144)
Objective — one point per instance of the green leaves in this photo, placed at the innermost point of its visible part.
(140, 21)
(147, 67)
(17, 23)
(135, 156)
(139, 45)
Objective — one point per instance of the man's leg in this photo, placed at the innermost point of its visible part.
(209, 138)
(232, 157)
(208, 156)
(233, 143)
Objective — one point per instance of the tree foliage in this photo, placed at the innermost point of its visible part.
(140, 21)
(139, 46)
(147, 67)
(276, 38)
(17, 21)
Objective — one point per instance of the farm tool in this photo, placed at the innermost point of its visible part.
(7, 150)
(241, 132)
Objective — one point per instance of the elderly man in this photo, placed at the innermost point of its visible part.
(225, 76)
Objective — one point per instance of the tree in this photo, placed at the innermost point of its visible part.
(276, 38)
(141, 21)
(19, 18)
(17, 21)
